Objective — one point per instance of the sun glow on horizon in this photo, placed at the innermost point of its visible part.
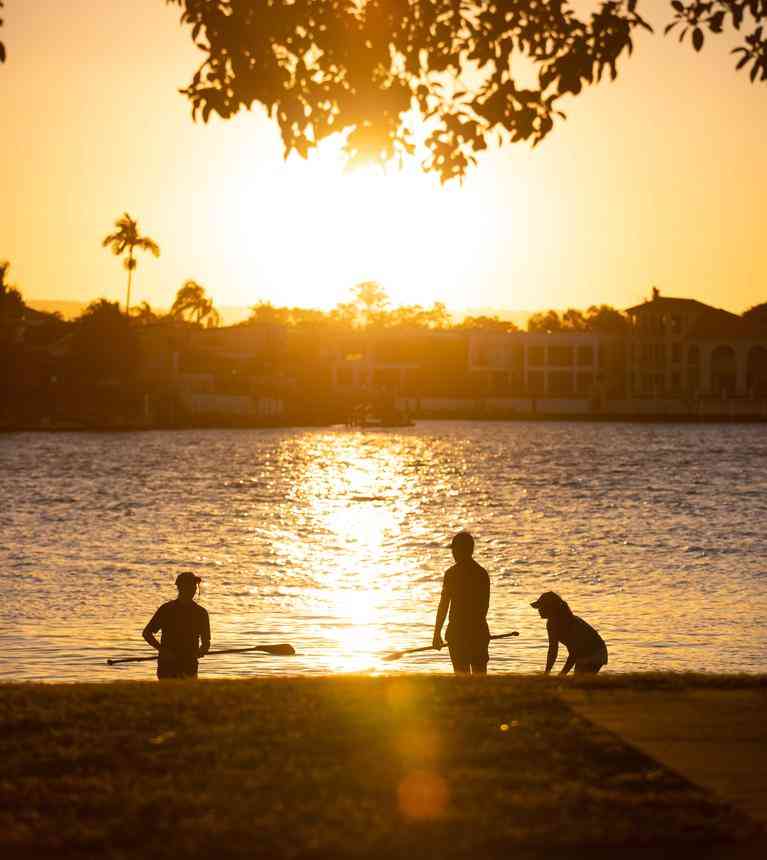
(639, 186)
(330, 227)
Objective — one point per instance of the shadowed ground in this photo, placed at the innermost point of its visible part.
(427, 766)
(715, 737)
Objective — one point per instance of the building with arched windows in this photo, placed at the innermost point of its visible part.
(682, 348)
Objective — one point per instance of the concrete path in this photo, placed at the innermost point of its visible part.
(714, 738)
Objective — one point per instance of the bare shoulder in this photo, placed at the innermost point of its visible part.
(481, 569)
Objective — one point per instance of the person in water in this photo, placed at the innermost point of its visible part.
(586, 649)
(466, 593)
(185, 631)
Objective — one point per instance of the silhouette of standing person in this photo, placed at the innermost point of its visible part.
(185, 630)
(466, 593)
(586, 648)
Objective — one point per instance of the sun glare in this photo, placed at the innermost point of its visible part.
(318, 228)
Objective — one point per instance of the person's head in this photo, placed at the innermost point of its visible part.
(462, 546)
(550, 604)
(187, 584)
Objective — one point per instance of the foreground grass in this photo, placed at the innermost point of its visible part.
(336, 767)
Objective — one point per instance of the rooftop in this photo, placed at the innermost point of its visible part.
(669, 303)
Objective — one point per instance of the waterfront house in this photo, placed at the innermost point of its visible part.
(682, 348)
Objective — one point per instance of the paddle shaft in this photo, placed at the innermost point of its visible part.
(432, 648)
(267, 649)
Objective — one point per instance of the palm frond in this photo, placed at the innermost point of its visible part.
(147, 244)
(213, 318)
(111, 239)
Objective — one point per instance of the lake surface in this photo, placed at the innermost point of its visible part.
(336, 541)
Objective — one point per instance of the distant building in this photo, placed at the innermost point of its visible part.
(676, 357)
(398, 363)
(684, 348)
(541, 364)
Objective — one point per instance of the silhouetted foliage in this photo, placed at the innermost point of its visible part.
(371, 301)
(374, 69)
(193, 303)
(127, 238)
(144, 315)
(11, 302)
(265, 313)
(2, 46)
(485, 323)
(545, 321)
(103, 346)
(603, 319)
(435, 318)
(606, 320)
(693, 18)
(368, 309)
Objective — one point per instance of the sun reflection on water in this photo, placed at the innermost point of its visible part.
(358, 504)
(336, 542)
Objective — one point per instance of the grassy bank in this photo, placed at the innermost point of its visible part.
(399, 767)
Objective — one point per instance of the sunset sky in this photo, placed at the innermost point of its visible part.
(658, 178)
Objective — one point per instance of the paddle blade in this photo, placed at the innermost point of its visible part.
(279, 650)
(395, 656)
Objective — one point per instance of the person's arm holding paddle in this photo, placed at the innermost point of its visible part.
(444, 605)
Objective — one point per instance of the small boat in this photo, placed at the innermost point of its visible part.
(385, 423)
(366, 418)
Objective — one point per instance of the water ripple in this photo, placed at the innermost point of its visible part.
(336, 541)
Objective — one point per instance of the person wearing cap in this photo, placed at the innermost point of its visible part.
(586, 649)
(466, 594)
(185, 630)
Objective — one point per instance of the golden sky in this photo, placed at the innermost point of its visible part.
(658, 178)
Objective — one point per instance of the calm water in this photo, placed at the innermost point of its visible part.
(335, 541)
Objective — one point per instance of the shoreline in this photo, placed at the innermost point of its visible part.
(615, 418)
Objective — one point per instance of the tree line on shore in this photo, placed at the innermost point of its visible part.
(89, 370)
(93, 362)
(368, 308)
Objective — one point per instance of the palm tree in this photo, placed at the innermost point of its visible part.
(127, 238)
(192, 299)
(144, 314)
(11, 302)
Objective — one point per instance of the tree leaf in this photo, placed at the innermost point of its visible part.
(697, 38)
(716, 21)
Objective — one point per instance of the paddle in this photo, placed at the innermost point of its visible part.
(277, 650)
(395, 655)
